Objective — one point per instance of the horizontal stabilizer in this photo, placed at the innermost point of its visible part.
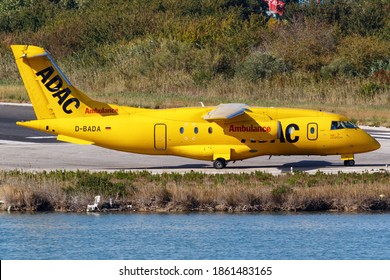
(74, 140)
(226, 111)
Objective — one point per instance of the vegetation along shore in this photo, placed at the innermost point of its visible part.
(72, 191)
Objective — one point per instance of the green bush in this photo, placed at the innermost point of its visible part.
(363, 53)
(280, 193)
(306, 44)
(97, 184)
(369, 90)
(259, 66)
(359, 17)
(30, 15)
(380, 65)
(338, 67)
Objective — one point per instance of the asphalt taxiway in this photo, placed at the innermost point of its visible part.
(29, 150)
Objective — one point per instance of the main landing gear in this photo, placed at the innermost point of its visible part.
(219, 163)
(349, 162)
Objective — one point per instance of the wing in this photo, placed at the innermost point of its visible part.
(226, 111)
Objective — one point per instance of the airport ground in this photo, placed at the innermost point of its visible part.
(40, 174)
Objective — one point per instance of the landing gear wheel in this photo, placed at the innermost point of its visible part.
(349, 162)
(219, 163)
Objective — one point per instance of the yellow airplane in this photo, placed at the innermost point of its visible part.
(227, 132)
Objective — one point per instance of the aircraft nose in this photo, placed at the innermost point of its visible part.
(371, 143)
(375, 144)
(365, 141)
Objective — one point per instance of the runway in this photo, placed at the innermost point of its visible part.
(29, 150)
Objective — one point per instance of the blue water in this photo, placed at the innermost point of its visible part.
(194, 236)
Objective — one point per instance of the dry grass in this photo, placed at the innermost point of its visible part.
(13, 93)
(73, 191)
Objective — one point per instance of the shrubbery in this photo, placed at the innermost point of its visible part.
(260, 66)
(143, 191)
(364, 52)
(306, 44)
(338, 67)
(195, 44)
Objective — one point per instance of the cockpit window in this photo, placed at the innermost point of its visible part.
(350, 125)
(342, 124)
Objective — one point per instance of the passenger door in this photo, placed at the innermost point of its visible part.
(160, 136)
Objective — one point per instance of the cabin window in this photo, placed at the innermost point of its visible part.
(242, 140)
(181, 130)
(312, 130)
(210, 130)
(196, 130)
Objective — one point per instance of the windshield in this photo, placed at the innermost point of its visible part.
(342, 124)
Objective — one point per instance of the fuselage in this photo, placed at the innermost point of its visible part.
(184, 132)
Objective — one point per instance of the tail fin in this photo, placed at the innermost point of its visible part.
(51, 93)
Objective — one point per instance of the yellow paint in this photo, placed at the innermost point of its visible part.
(227, 132)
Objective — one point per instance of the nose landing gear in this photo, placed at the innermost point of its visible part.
(348, 159)
(350, 162)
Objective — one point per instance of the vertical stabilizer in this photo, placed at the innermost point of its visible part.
(51, 93)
